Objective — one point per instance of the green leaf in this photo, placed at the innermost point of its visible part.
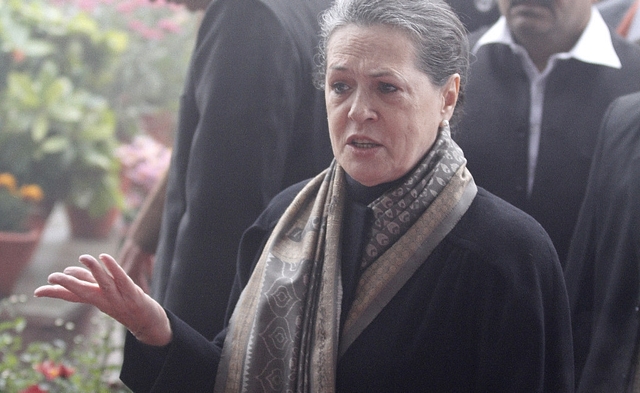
(55, 144)
(40, 128)
(21, 88)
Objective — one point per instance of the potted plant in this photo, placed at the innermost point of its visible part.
(88, 362)
(55, 129)
(19, 229)
(145, 85)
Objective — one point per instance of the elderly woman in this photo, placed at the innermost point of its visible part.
(390, 271)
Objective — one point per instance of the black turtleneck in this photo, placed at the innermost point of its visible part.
(356, 223)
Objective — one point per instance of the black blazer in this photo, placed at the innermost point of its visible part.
(251, 123)
(494, 130)
(602, 274)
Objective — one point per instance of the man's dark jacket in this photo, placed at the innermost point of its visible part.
(494, 130)
(251, 123)
(602, 272)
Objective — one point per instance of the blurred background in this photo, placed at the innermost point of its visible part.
(89, 93)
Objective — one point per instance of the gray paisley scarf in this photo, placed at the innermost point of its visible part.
(284, 333)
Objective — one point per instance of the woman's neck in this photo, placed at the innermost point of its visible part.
(365, 195)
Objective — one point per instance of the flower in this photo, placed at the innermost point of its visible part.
(54, 122)
(75, 78)
(83, 364)
(17, 203)
(34, 389)
(52, 370)
(143, 162)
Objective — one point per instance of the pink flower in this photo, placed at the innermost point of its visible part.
(87, 5)
(152, 34)
(126, 7)
(169, 25)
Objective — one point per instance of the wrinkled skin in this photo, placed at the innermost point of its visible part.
(105, 285)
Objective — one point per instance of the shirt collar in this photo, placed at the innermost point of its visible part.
(594, 45)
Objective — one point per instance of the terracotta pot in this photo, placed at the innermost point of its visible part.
(38, 219)
(83, 226)
(16, 251)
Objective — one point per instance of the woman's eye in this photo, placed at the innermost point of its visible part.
(387, 87)
(339, 87)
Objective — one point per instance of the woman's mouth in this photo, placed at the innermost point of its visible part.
(363, 144)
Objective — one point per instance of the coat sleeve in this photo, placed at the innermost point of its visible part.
(190, 362)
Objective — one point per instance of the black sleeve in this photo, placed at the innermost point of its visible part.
(188, 364)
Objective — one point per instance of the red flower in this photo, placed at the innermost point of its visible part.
(52, 370)
(34, 389)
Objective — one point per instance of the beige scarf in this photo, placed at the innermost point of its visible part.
(284, 333)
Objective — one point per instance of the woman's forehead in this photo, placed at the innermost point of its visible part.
(378, 43)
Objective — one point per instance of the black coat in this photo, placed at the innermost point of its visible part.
(251, 123)
(486, 312)
(602, 272)
(494, 130)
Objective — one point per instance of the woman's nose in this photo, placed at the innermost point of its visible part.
(362, 108)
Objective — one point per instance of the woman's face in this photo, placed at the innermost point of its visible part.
(383, 112)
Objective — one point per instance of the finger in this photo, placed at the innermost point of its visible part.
(123, 282)
(99, 273)
(80, 273)
(80, 287)
(57, 292)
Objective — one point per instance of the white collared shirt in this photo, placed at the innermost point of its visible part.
(594, 46)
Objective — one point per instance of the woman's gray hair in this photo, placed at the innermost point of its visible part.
(440, 39)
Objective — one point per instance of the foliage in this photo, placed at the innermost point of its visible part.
(52, 366)
(17, 203)
(56, 130)
(150, 73)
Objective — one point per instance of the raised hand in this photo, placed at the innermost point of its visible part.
(105, 285)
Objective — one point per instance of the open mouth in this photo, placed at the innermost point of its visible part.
(363, 145)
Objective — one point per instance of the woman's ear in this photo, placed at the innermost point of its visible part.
(450, 92)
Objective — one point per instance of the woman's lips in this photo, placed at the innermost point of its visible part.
(362, 143)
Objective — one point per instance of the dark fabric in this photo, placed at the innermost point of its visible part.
(486, 312)
(494, 130)
(602, 269)
(251, 123)
(475, 14)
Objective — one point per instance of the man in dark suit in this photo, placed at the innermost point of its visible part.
(251, 123)
(602, 272)
(543, 77)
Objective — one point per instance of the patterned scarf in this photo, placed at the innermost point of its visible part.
(284, 333)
